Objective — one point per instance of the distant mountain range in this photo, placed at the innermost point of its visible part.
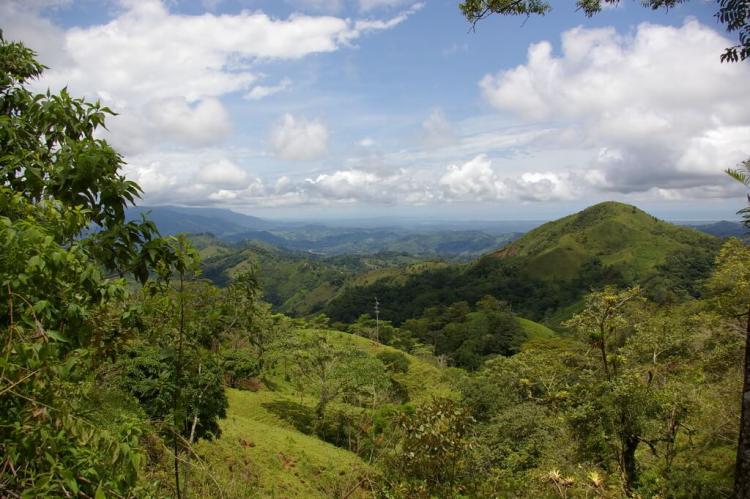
(427, 239)
(174, 219)
(722, 229)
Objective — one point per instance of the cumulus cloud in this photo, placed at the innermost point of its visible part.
(203, 123)
(210, 176)
(298, 138)
(477, 180)
(165, 72)
(657, 108)
(474, 179)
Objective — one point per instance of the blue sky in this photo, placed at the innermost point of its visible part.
(371, 108)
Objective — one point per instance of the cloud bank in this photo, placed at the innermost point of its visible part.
(657, 106)
(166, 73)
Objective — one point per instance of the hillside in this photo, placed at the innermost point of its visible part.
(549, 268)
(292, 281)
(267, 448)
(619, 235)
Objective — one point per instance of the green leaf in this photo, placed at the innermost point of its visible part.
(57, 336)
(100, 493)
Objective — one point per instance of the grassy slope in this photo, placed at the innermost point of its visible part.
(620, 235)
(262, 454)
(535, 331)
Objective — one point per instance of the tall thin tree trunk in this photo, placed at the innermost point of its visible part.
(178, 388)
(192, 437)
(629, 465)
(742, 469)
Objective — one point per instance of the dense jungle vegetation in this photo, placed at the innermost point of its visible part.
(125, 373)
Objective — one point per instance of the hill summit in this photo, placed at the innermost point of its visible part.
(617, 234)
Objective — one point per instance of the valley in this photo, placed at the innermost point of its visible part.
(397, 340)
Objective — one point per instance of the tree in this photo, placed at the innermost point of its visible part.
(65, 247)
(731, 284)
(734, 14)
(742, 469)
(432, 457)
(335, 371)
(606, 324)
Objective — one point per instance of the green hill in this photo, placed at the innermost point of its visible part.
(547, 270)
(534, 330)
(619, 235)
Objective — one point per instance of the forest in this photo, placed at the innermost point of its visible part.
(599, 355)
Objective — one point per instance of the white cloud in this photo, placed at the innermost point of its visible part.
(298, 138)
(380, 24)
(547, 186)
(165, 72)
(473, 180)
(259, 91)
(360, 186)
(21, 22)
(366, 142)
(206, 122)
(212, 176)
(478, 180)
(437, 130)
(222, 173)
(657, 109)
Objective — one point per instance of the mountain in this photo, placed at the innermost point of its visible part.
(430, 241)
(619, 235)
(723, 229)
(174, 219)
(544, 273)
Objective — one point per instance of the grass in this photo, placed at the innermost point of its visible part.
(265, 449)
(535, 331)
(262, 454)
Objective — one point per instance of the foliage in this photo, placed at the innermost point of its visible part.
(239, 366)
(467, 337)
(57, 180)
(334, 371)
(432, 456)
(395, 362)
(148, 373)
(551, 268)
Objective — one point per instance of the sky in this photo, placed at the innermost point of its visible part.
(330, 109)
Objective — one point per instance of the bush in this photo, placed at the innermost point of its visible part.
(395, 362)
(239, 367)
